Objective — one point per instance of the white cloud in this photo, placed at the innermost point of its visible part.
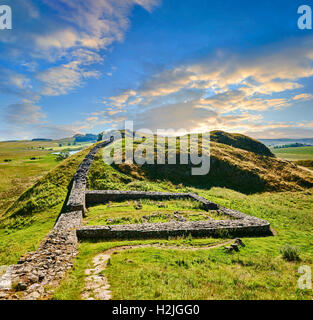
(64, 78)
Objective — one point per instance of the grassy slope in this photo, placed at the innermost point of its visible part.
(240, 141)
(231, 167)
(33, 215)
(258, 271)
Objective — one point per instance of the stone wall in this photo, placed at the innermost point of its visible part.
(223, 228)
(240, 224)
(37, 273)
(76, 199)
(103, 196)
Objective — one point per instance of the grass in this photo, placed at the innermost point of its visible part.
(258, 271)
(127, 212)
(294, 154)
(72, 286)
(33, 215)
(21, 235)
(231, 167)
(22, 163)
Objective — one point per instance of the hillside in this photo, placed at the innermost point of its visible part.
(231, 168)
(241, 141)
(34, 213)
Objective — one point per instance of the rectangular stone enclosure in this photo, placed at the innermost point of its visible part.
(240, 224)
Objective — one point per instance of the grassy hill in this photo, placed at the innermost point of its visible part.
(231, 168)
(34, 213)
(241, 141)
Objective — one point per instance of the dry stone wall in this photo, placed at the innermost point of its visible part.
(76, 199)
(37, 272)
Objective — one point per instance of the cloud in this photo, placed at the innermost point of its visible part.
(62, 79)
(22, 114)
(224, 90)
(15, 83)
(303, 96)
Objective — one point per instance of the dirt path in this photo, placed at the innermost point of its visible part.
(97, 286)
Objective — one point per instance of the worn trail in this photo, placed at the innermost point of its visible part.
(97, 286)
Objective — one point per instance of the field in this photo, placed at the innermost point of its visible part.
(294, 154)
(22, 163)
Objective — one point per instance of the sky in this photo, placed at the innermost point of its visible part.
(76, 66)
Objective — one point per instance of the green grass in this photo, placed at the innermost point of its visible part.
(72, 286)
(127, 212)
(18, 172)
(33, 215)
(21, 235)
(231, 168)
(293, 154)
(258, 271)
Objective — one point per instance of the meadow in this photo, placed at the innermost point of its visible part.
(294, 154)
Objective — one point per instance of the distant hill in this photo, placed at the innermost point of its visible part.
(277, 142)
(85, 137)
(41, 139)
(241, 141)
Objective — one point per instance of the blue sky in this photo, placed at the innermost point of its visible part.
(71, 66)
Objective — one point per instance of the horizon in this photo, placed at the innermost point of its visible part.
(199, 65)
